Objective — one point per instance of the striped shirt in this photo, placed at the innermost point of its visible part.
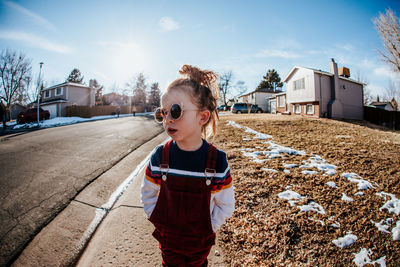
(191, 165)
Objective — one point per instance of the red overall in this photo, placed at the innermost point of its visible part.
(182, 215)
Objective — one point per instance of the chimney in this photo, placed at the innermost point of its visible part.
(91, 83)
(344, 72)
(335, 107)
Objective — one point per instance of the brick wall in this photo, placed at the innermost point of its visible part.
(303, 109)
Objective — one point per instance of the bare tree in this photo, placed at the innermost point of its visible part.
(15, 75)
(388, 28)
(225, 85)
(154, 96)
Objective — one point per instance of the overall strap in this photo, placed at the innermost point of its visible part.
(211, 157)
(165, 152)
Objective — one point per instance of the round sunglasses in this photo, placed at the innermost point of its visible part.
(176, 112)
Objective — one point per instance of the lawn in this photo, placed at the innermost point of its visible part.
(311, 192)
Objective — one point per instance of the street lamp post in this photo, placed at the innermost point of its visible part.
(38, 96)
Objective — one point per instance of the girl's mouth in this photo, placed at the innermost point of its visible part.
(172, 130)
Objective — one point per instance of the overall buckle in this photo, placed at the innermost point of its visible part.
(210, 174)
(164, 168)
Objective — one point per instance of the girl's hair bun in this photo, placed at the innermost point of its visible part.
(205, 78)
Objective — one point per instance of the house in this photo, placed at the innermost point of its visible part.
(57, 98)
(383, 105)
(259, 97)
(324, 94)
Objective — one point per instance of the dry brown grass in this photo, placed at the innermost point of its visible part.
(266, 230)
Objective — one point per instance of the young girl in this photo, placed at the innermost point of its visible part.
(187, 192)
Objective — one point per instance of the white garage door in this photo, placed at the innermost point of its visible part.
(52, 109)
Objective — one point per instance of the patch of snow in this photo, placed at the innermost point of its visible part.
(361, 183)
(60, 121)
(362, 258)
(359, 193)
(253, 155)
(258, 135)
(396, 232)
(383, 225)
(288, 187)
(312, 206)
(320, 164)
(312, 219)
(289, 195)
(289, 166)
(392, 205)
(346, 198)
(234, 124)
(246, 139)
(331, 184)
(345, 241)
(286, 171)
(278, 149)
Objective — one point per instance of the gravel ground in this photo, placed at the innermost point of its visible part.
(268, 230)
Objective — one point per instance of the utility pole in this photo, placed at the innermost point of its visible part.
(38, 96)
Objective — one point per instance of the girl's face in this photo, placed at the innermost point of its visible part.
(185, 131)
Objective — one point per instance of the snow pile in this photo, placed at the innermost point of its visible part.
(320, 164)
(331, 184)
(345, 241)
(254, 155)
(361, 183)
(392, 205)
(396, 232)
(362, 258)
(312, 206)
(60, 121)
(383, 225)
(289, 166)
(258, 135)
(292, 196)
(346, 198)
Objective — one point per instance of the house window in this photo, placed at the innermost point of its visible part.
(297, 108)
(281, 101)
(298, 84)
(47, 94)
(310, 109)
(59, 91)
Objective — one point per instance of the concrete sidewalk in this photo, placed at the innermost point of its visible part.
(123, 237)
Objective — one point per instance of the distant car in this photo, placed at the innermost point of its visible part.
(242, 108)
(30, 115)
(223, 108)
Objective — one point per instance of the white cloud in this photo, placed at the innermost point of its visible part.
(385, 72)
(31, 14)
(277, 53)
(35, 41)
(168, 24)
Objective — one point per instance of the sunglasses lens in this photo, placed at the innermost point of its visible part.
(158, 115)
(176, 111)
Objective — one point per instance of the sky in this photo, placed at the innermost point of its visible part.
(114, 41)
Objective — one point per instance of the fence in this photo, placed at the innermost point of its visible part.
(88, 112)
(390, 119)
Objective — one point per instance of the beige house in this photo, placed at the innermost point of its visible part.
(259, 97)
(324, 94)
(56, 98)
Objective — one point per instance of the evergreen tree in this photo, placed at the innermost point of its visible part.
(75, 76)
(269, 79)
(154, 96)
(139, 91)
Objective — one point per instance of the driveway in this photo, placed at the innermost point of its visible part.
(42, 171)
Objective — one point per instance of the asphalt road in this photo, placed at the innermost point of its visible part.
(42, 171)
